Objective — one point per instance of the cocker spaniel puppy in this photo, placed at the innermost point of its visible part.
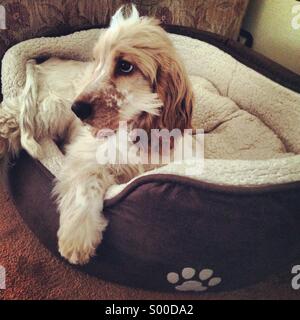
(137, 78)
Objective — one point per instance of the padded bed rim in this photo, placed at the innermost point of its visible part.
(246, 56)
(166, 178)
(255, 61)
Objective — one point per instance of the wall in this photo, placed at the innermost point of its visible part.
(270, 23)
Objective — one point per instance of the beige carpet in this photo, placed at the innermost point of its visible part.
(33, 273)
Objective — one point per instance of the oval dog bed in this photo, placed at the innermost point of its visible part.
(175, 229)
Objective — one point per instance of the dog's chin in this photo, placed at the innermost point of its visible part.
(103, 125)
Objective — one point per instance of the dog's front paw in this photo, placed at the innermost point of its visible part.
(79, 243)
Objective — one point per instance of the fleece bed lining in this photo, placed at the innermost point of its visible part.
(251, 123)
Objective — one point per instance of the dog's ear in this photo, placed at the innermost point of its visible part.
(119, 16)
(174, 89)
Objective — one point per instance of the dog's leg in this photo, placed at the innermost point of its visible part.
(81, 220)
(28, 109)
(80, 189)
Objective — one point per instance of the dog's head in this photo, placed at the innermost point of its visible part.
(138, 77)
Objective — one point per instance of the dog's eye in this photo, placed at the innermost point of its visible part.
(124, 66)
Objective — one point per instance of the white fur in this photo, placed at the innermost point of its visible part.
(119, 18)
(80, 190)
(43, 109)
(81, 185)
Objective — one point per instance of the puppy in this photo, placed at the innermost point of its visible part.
(138, 78)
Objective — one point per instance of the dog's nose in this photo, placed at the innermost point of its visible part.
(82, 109)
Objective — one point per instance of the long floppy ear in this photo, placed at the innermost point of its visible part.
(174, 89)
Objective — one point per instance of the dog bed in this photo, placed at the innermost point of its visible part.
(229, 226)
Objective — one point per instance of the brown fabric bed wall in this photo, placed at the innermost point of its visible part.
(143, 257)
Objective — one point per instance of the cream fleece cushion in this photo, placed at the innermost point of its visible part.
(251, 124)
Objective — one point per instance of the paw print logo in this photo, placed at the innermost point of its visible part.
(189, 280)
